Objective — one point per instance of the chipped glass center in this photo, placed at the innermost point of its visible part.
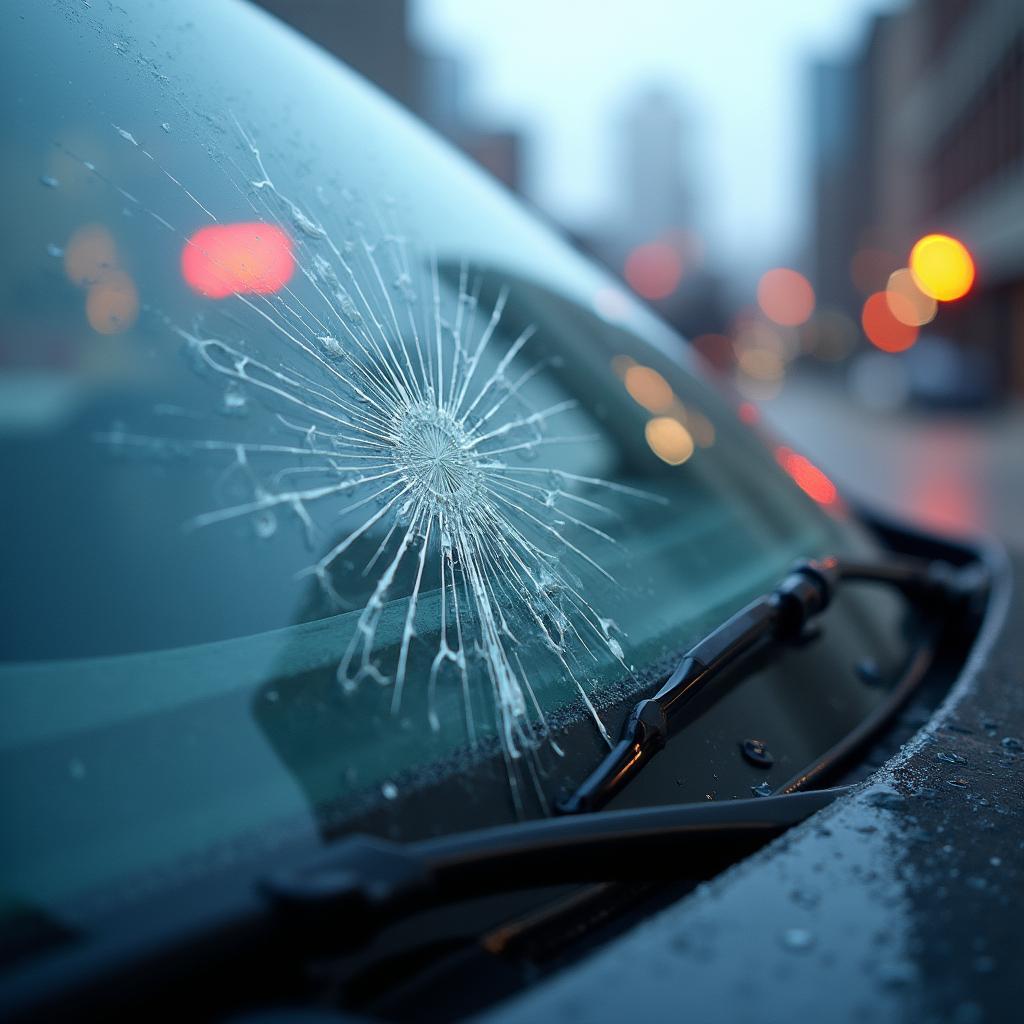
(436, 456)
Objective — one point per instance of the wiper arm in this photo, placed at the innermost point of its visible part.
(363, 881)
(781, 616)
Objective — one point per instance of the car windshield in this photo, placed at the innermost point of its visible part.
(325, 468)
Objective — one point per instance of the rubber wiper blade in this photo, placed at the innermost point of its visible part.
(362, 882)
(780, 616)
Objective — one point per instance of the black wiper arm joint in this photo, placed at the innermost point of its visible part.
(783, 616)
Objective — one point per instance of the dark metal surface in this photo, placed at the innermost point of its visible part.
(900, 902)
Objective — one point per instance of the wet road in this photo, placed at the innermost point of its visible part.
(952, 472)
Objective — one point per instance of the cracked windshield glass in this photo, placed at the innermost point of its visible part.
(328, 473)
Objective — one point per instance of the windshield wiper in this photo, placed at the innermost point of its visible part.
(365, 881)
(780, 616)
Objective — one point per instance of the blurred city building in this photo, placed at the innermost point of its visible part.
(654, 236)
(922, 131)
(374, 38)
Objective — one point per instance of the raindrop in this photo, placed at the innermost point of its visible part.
(960, 782)
(797, 939)
(1011, 743)
(54, 250)
(390, 791)
(869, 671)
(886, 799)
(126, 135)
(265, 524)
(166, 125)
(764, 789)
(49, 181)
(950, 758)
(804, 898)
(234, 402)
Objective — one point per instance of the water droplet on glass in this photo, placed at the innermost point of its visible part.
(126, 135)
(49, 181)
(797, 939)
(234, 402)
(1011, 743)
(868, 671)
(390, 791)
(265, 524)
(54, 250)
(886, 799)
(950, 758)
(166, 125)
(764, 789)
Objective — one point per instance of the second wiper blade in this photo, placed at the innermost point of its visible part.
(364, 881)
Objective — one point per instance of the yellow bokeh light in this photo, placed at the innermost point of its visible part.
(648, 388)
(907, 302)
(669, 440)
(942, 267)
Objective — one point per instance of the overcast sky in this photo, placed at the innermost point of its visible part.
(563, 70)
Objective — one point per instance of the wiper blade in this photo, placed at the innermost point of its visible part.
(781, 616)
(363, 881)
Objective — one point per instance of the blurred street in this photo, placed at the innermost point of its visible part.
(951, 471)
(861, 280)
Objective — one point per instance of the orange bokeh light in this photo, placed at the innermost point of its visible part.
(648, 388)
(112, 304)
(669, 440)
(907, 302)
(223, 259)
(785, 297)
(883, 330)
(654, 270)
(807, 476)
(942, 267)
(89, 254)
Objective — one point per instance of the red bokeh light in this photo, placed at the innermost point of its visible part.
(883, 330)
(807, 476)
(223, 259)
(654, 270)
(785, 297)
(748, 413)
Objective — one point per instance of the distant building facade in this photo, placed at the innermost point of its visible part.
(923, 130)
(374, 38)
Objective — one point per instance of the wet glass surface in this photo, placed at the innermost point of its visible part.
(309, 434)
